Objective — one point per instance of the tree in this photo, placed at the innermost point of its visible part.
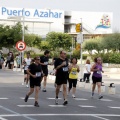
(112, 42)
(59, 40)
(33, 40)
(93, 44)
(9, 35)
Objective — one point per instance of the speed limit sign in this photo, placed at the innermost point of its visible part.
(20, 45)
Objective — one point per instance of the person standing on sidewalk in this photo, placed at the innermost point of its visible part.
(35, 72)
(97, 76)
(61, 66)
(87, 72)
(26, 63)
(73, 76)
(44, 61)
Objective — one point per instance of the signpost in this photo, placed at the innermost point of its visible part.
(80, 40)
(21, 46)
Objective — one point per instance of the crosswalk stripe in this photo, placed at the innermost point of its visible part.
(57, 106)
(107, 100)
(53, 98)
(86, 106)
(80, 99)
(114, 107)
(25, 105)
(31, 98)
(4, 98)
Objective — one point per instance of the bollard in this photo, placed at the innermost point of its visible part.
(102, 87)
(111, 89)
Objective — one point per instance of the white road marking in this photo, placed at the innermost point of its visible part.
(93, 115)
(2, 118)
(100, 117)
(80, 99)
(4, 98)
(87, 106)
(25, 105)
(107, 100)
(31, 98)
(114, 107)
(57, 106)
(53, 98)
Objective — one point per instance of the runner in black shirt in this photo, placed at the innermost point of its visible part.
(44, 62)
(35, 72)
(61, 66)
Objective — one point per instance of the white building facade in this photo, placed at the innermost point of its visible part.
(42, 21)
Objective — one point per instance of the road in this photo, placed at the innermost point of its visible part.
(83, 107)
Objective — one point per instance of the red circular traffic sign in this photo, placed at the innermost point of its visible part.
(20, 45)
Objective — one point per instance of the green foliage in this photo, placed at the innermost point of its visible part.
(33, 40)
(93, 44)
(109, 57)
(9, 35)
(111, 43)
(59, 40)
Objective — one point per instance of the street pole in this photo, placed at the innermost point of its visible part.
(81, 68)
(23, 33)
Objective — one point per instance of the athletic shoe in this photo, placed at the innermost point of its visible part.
(92, 95)
(27, 85)
(56, 101)
(100, 97)
(65, 103)
(36, 104)
(26, 98)
(44, 90)
(73, 96)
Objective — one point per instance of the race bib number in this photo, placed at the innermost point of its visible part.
(65, 69)
(38, 74)
(46, 63)
(98, 72)
(26, 67)
(73, 72)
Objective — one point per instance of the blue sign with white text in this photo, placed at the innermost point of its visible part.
(27, 13)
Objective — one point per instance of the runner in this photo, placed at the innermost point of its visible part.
(97, 76)
(44, 62)
(61, 65)
(35, 72)
(26, 63)
(73, 75)
(11, 60)
(87, 72)
(8, 61)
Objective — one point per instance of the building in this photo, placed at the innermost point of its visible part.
(42, 21)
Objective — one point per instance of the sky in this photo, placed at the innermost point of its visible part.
(71, 5)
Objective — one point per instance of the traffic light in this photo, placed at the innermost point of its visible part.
(78, 27)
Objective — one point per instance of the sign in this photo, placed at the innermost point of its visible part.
(78, 27)
(80, 38)
(39, 13)
(20, 45)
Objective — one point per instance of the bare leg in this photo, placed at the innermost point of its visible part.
(37, 89)
(65, 91)
(45, 82)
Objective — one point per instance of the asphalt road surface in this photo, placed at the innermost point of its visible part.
(83, 107)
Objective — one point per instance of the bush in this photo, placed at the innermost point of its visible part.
(109, 57)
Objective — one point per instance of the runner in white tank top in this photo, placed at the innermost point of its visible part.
(26, 63)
